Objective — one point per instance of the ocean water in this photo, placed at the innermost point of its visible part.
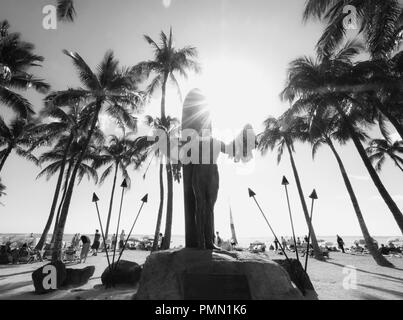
(178, 240)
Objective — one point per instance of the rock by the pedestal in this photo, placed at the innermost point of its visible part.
(165, 274)
(298, 276)
(126, 273)
(41, 279)
(78, 277)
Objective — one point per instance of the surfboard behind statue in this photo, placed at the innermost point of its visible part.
(195, 116)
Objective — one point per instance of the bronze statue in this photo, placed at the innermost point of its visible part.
(201, 179)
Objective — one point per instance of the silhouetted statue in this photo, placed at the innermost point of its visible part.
(200, 176)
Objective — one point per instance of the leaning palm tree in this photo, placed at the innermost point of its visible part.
(20, 135)
(65, 127)
(380, 149)
(282, 134)
(323, 129)
(316, 85)
(118, 154)
(110, 89)
(379, 21)
(16, 58)
(167, 62)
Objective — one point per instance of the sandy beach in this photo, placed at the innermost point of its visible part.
(329, 279)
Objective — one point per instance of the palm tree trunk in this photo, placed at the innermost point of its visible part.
(42, 240)
(57, 253)
(111, 201)
(160, 209)
(168, 222)
(378, 257)
(316, 250)
(66, 183)
(3, 160)
(164, 86)
(392, 119)
(397, 214)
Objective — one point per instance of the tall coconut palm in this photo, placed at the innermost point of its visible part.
(380, 149)
(170, 129)
(379, 21)
(108, 88)
(74, 152)
(65, 127)
(324, 128)
(282, 134)
(314, 85)
(20, 135)
(16, 58)
(167, 62)
(118, 154)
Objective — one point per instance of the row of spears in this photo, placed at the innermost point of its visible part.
(112, 266)
(313, 197)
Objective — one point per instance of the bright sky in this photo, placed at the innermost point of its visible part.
(244, 47)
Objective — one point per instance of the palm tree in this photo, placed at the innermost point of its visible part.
(2, 190)
(117, 155)
(16, 58)
(282, 134)
(316, 85)
(167, 62)
(20, 135)
(170, 129)
(108, 88)
(65, 10)
(65, 128)
(379, 21)
(379, 149)
(74, 151)
(323, 129)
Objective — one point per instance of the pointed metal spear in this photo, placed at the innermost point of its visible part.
(314, 197)
(143, 201)
(285, 183)
(123, 186)
(252, 194)
(95, 199)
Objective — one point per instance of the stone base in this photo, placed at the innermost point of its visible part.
(126, 273)
(204, 274)
(78, 277)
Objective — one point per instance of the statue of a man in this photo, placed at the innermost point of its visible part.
(200, 175)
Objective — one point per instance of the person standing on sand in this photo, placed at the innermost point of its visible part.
(86, 247)
(113, 242)
(122, 240)
(340, 242)
(276, 244)
(95, 245)
(284, 243)
(160, 241)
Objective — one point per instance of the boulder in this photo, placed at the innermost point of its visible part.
(298, 276)
(78, 277)
(47, 279)
(205, 274)
(126, 273)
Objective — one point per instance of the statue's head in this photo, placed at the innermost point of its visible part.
(196, 114)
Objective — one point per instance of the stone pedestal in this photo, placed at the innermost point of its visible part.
(204, 274)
